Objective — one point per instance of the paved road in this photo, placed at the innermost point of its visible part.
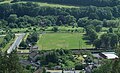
(15, 34)
(16, 43)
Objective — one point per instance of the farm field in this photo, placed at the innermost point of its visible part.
(50, 41)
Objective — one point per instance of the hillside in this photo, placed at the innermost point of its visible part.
(101, 3)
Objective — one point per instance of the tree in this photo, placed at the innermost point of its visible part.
(114, 40)
(95, 22)
(61, 20)
(93, 36)
(89, 29)
(79, 67)
(55, 29)
(83, 22)
(52, 57)
(12, 18)
(23, 44)
(91, 33)
(93, 16)
(70, 19)
(44, 70)
(32, 38)
(10, 63)
(98, 28)
(97, 43)
(110, 30)
(13, 63)
(107, 41)
(104, 68)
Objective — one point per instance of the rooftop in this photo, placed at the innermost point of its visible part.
(110, 55)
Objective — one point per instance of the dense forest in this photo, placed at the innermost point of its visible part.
(31, 9)
(30, 14)
(84, 2)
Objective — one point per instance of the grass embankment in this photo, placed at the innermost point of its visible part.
(8, 45)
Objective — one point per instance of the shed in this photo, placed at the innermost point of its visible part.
(109, 55)
(34, 48)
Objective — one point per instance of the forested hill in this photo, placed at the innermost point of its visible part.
(32, 9)
(100, 3)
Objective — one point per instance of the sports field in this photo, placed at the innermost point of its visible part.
(50, 41)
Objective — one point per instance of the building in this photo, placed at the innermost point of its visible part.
(64, 71)
(34, 48)
(33, 56)
(108, 55)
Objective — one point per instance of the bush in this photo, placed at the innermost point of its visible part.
(79, 66)
(55, 29)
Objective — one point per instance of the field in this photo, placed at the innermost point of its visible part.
(7, 1)
(45, 4)
(50, 41)
(51, 5)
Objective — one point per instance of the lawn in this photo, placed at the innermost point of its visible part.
(50, 41)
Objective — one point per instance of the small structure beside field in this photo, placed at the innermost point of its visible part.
(34, 48)
(108, 55)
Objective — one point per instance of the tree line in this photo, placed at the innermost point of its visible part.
(109, 40)
(26, 21)
(30, 14)
(13, 21)
(32, 9)
(83, 2)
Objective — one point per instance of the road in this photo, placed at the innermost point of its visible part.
(15, 34)
(16, 42)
